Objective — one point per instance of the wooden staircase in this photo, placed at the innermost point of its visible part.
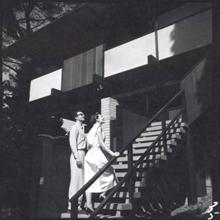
(119, 205)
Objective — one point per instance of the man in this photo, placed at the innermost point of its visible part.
(77, 141)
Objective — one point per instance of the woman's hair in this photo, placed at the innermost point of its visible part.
(76, 113)
(94, 117)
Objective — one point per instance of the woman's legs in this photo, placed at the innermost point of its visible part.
(102, 195)
(89, 200)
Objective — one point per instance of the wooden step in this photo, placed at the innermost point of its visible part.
(124, 166)
(158, 123)
(155, 150)
(115, 206)
(116, 214)
(148, 144)
(118, 197)
(81, 214)
(135, 158)
(158, 132)
(120, 166)
(137, 184)
(149, 157)
(121, 174)
(159, 126)
(152, 138)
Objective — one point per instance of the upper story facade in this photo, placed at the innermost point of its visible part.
(113, 40)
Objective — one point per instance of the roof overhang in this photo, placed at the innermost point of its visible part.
(69, 35)
(91, 25)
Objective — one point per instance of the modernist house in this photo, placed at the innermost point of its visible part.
(152, 71)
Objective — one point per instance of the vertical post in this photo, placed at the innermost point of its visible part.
(215, 113)
(74, 209)
(163, 129)
(192, 198)
(155, 23)
(1, 68)
(130, 166)
(156, 38)
(192, 195)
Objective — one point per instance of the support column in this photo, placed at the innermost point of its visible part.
(192, 192)
(190, 159)
(215, 114)
(108, 110)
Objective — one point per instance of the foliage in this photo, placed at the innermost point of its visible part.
(20, 18)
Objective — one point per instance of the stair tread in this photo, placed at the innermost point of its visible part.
(155, 150)
(157, 132)
(120, 200)
(84, 215)
(81, 214)
(115, 206)
(147, 144)
(152, 138)
(156, 123)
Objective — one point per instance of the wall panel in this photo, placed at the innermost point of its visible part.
(78, 70)
(198, 87)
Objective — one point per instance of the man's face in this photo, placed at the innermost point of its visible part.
(80, 116)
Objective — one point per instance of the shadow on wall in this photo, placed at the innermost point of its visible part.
(190, 34)
(187, 35)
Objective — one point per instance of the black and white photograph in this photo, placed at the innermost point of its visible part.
(110, 109)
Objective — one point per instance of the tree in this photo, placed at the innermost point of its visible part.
(20, 18)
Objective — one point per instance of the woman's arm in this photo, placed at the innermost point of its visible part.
(102, 144)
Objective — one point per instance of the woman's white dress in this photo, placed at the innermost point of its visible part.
(95, 159)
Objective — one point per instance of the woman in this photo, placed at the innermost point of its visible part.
(95, 159)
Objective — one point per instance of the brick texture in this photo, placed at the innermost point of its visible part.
(108, 110)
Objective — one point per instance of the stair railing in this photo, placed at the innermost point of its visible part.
(132, 167)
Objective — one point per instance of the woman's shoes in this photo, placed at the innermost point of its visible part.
(102, 197)
(89, 211)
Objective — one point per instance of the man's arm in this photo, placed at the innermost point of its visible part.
(73, 141)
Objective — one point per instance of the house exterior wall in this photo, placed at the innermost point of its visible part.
(79, 70)
(198, 89)
(132, 124)
(180, 30)
(185, 35)
(51, 176)
(215, 114)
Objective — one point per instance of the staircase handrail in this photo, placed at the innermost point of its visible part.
(74, 199)
(130, 172)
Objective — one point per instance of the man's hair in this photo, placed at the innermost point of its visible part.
(76, 113)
